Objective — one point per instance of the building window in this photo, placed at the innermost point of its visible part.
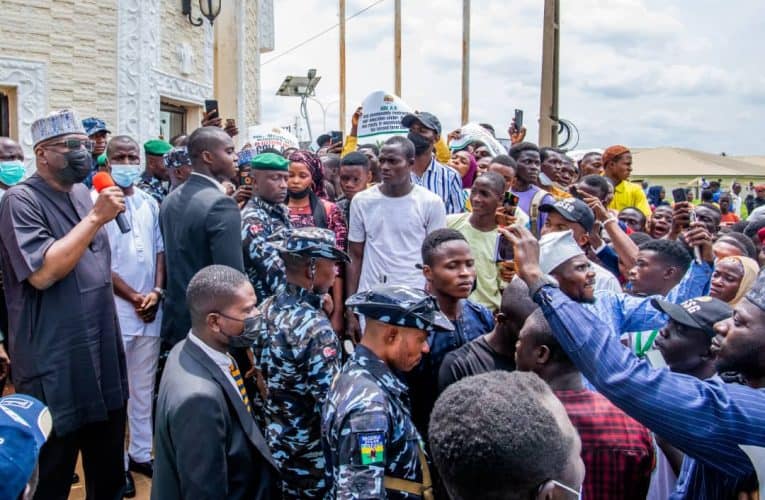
(172, 120)
(7, 113)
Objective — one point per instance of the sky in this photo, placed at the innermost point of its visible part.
(642, 73)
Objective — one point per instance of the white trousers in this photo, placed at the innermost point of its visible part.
(141, 357)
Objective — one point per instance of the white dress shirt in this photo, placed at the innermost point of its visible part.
(219, 358)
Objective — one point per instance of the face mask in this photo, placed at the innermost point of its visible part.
(247, 338)
(300, 194)
(11, 172)
(421, 143)
(77, 167)
(125, 175)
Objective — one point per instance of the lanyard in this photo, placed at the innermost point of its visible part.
(640, 348)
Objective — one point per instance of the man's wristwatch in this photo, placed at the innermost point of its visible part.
(159, 291)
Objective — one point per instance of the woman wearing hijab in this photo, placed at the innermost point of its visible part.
(308, 207)
(732, 278)
(465, 164)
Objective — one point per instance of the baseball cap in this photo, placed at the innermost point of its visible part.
(402, 306)
(700, 313)
(25, 424)
(94, 125)
(573, 210)
(311, 242)
(427, 119)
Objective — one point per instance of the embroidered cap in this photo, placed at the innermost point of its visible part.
(400, 305)
(557, 248)
(311, 242)
(56, 124)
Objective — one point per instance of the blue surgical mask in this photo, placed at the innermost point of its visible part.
(11, 172)
(125, 175)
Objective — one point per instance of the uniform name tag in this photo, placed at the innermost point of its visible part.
(372, 448)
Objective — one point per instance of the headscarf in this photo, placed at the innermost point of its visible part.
(751, 269)
(469, 177)
(654, 196)
(314, 165)
(612, 152)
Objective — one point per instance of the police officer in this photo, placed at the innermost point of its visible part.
(371, 445)
(264, 218)
(297, 352)
(155, 179)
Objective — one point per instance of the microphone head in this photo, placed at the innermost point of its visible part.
(102, 180)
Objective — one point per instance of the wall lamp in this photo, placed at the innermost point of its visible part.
(209, 8)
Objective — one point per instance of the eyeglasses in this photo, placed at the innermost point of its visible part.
(74, 144)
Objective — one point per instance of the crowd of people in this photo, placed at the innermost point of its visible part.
(397, 320)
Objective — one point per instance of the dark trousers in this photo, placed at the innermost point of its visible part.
(102, 446)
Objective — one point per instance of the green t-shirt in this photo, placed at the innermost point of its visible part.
(482, 245)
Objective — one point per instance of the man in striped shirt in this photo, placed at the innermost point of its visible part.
(425, 132)
(705, 419)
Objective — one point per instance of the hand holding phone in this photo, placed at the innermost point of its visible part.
(211, 108)
(503, 249)
(510, 203)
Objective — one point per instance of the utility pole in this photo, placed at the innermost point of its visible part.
(397, 47)
(465, 61)
(342, 66)
(548, 102)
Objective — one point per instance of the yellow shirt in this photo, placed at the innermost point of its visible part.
(443, 153)
(629, 194)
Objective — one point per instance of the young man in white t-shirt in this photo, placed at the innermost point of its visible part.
(388, 224)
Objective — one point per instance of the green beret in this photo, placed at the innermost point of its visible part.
(270, 161)
(101, 160)
(157, 147)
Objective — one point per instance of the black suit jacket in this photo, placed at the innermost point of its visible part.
(201, 226)
(206, 444)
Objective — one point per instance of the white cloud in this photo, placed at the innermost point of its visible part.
(639, 72)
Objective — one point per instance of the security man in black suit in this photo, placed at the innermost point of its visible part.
(207, 445)
(200, 224)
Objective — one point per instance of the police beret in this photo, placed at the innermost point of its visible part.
(401, 306)
(157, 147)
(270, 161)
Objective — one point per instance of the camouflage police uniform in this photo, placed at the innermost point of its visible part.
(372, 448)
(263, 224)
(151, 185)
(298, 354)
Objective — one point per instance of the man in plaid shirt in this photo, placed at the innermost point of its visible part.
(617, 451)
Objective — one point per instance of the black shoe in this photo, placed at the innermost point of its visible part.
(75, 478)
(145, 468)
(129, 491)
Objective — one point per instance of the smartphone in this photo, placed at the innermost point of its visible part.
(679, 195)
(244, 178)
(518, 119)
(510, 202)
(503, 249)
(336, 136)
(211, 108)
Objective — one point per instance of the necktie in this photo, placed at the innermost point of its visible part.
(239, 383)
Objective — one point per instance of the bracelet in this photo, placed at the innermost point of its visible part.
(610, 219)
(159, 291)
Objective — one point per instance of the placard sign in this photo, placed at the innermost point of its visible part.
(382, 117)
(261, 137)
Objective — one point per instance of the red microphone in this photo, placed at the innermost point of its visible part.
(101, 181)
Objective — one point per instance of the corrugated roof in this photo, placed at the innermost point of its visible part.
(674, 162)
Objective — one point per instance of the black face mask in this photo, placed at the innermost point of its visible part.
(77, 167)
(300, 194)
(247, 338)
(421, 143)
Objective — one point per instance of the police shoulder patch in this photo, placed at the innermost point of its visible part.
(372, 448)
